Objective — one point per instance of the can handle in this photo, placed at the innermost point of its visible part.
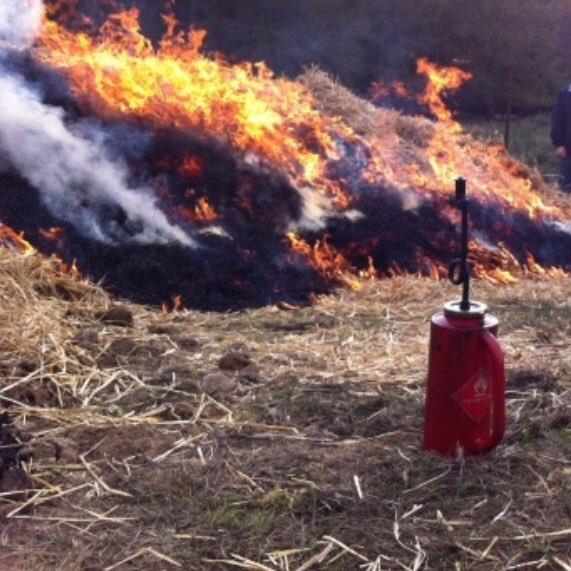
(498, 389)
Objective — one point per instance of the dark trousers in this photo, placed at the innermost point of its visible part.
(565, 174)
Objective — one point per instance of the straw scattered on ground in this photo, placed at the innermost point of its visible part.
(276, 438)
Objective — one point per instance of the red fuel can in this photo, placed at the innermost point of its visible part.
(465, 401)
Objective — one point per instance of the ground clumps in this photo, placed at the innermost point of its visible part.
(234, 361)
(218, 382)
(118, 315)
(14, 481)
(270, 438)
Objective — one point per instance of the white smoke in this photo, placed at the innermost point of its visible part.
(76, 178)
(20, 21)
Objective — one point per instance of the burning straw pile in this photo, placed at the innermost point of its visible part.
(232, 187)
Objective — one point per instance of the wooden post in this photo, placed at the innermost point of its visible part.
(509, 97)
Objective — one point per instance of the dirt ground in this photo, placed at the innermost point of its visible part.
(281, 438)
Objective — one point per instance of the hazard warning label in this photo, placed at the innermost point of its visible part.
(475, 396)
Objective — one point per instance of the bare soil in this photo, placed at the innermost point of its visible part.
(281, 438)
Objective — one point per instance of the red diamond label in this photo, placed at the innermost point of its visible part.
(475, 396)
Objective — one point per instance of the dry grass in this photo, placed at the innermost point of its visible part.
(310, 457)
(404, 144)
(311, 461)
(334, 99)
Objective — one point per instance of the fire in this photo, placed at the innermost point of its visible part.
(370, 272)
(11, 239)
(52, 233)
(441, 80)
(300, 183)
(172, 306)
(204, 211)
(537, 269)
(69, 269)
(327, 260)
(191, 167)
(16, 241)
(119, 74)
(380, 90)
(488, 167)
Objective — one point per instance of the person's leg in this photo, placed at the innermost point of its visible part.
(565, 174)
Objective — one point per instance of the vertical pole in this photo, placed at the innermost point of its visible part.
(465, 268)
(508, 119)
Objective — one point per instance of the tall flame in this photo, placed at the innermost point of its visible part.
(441, 80)
(118, 73)
(276, 124)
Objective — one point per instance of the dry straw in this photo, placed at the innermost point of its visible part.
(312, 461)
(365, 347)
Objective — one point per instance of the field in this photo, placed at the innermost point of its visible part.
(281, 438)
(529, 140)
(286, 436)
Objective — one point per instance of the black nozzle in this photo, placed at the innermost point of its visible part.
(460, 189)
(459, 270)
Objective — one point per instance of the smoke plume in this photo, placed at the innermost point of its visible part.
(77, 179)
(20, 21)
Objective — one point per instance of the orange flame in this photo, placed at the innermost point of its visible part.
(326, 259)
(117, 73)
(69, 269)
(191, 167)
(172, 306)
(537, 269)
(379, 89)
(440, 80)
(204, 212)
(51, 233)
(13, 240)
(16, 241)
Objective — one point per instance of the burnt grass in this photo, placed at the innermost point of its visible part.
(306, 455)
